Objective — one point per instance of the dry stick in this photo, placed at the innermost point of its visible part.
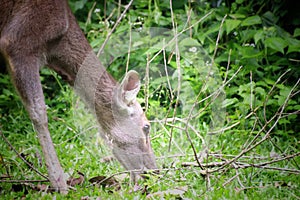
(177, 56)
(230, 180)
(189, 18)
(194, 105)
(295, 171)
(23, 159)
(168, 79)
(196, 102)
(146, 90)
(241, 165)
(238, 178)
(276, 160)
(217, 91)
(251, 91)
(119, 8)
(129, 47)
(23, 181)
(115, 26)
(218, 39)
(179, 86)
(5, 166)
(110, 15)
(88, 20)
(169, 134)
(249, 147)
(204, 85)
(271, 90)
(218, 155)
(227, 67)
(104, 9)
(273, 117)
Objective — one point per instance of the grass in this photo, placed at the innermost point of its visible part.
(255, 154)
(79, 147)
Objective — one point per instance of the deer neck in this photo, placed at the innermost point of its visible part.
(95, 86)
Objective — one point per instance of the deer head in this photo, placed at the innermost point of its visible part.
(124, 124)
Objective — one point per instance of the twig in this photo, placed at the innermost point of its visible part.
(218, 39)
(177, 56)
(146, 88)
(88, 20)
(114, 27)
(249, 147)
(129, 46)
(23, 159)
(230, 180)
(295, 171)
(23, 181)
(241, 165)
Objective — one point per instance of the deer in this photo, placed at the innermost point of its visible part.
(37, 33)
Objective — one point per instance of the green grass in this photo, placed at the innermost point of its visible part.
(79, 147)
(260, 76)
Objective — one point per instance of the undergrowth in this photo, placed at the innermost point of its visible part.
(220, 87)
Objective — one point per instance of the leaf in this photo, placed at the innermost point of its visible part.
(297, 32)
(250, 52)
(189, 42)
(228, 102)
(105, 181)
(251, 21)
(259, 35)
(237, 15)
(293, 48)
(294, 45)
(76, 181)
(231, 24)
(276, 43)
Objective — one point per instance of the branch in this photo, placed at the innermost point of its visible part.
(114, 28)
(21, 157)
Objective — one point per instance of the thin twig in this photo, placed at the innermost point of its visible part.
(24, 181)
(218, 38)
(21, 157)
(114, 28)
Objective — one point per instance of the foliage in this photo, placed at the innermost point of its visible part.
(221, 87)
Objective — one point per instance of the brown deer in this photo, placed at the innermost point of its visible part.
(35, 33)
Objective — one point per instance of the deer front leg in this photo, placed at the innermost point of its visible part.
(25, 75)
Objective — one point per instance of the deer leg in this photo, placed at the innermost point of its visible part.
(25, 75)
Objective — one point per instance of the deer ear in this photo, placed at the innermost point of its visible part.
(130, 87)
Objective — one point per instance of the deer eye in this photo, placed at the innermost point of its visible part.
(146, 128)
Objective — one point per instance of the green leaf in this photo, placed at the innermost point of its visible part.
(259, 35)
(251, 21)
(250, 52)
(189, 42)
(276, 43)
(297, 32)
(231, 24)
(294, 45)
(293, 48)
(228, 102)
(236, 16)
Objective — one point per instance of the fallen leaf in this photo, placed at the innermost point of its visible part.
(76, 181)
(105, 182)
